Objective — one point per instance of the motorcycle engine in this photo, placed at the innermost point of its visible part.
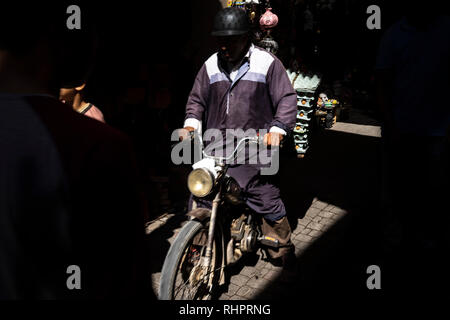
(243, 239)
(243, 235)
(248, 242)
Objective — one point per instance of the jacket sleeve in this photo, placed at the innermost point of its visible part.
(198, 97)
(283, 97)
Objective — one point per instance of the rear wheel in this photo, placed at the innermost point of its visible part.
(182, 276)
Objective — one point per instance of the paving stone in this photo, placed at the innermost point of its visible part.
(303, 237)
(326, 214)
(338, 211)
(232, 289)
(261, 273)
(304, 222)
(301, 244)
(275, 267)
(315, 233)
(246, 292)
(326, 222)
(260, 283)
(306, 231)
(272, 275)
(315, 226)
(268, 267)
(312, 212)
(261, 264)
(224, 296)
(248, 271)
(297, 231)
(239, 279)
(299, 251)
(319, 205)
(153, 226)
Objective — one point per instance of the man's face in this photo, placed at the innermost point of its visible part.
(231, 48)
(67, 95)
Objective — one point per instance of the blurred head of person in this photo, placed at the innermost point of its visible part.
(28, 47)
(38, 53)
(77, 61)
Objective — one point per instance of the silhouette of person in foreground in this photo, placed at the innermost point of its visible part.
(68, 191)
(413, 76)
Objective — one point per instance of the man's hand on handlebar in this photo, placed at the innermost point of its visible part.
(185, 133)
(270, 139)
(273, 139)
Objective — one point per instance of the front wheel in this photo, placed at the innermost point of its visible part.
(182, 276)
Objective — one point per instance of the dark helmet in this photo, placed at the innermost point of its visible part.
(230, 22)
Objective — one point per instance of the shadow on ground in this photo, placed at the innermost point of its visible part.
(343, 170)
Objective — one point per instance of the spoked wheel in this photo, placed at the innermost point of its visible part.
(183, 277)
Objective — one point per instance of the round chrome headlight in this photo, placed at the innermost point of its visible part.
(200, 182)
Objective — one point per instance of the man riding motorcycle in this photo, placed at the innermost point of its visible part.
(244, 87)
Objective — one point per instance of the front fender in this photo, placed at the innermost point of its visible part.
(202, 214)
(199, 214)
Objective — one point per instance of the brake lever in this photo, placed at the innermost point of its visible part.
(189, 138)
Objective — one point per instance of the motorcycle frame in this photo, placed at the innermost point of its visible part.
(206, 263)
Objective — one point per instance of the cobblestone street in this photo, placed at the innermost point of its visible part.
(251, 280)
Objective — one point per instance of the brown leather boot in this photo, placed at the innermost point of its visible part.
(280, 230)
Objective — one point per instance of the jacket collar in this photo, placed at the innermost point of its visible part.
(243, 67)
(246, 58)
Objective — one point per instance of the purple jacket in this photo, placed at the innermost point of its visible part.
(260, 97)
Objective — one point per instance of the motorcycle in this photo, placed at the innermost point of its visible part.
(212, 239)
